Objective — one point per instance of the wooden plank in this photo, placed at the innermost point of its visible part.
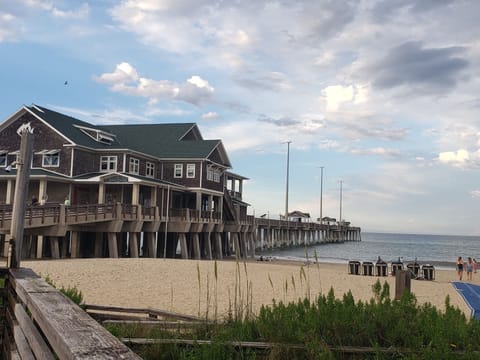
(70, 331)
(153, 324)
(147, 311)
(39, 347)
(22, 343)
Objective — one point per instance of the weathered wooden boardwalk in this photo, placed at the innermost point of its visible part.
(38, 322)
(125, 230)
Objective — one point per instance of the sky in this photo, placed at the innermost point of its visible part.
(384, 95)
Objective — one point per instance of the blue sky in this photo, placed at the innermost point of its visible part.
(383, 94)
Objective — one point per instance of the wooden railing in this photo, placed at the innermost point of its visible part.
(42, 323)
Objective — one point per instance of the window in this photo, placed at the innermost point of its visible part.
(3, 159)
(178, 172)
(216, 176)
(108, 163)
(134, 166)
(51, 158)
(190, 170)
(209, 174)
(150, 170)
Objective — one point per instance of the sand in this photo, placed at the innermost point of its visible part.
(187, 286)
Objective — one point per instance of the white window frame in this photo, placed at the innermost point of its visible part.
(209, 173)
(178, 171)
(191, 171)
(3, 159)
(49, 157)
(134, 166)
(150, 169)
(216, 176)
(110, 161)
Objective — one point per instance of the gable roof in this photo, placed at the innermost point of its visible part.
(165, 141)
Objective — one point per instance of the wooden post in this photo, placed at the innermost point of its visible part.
(402, 282)
(21, 189)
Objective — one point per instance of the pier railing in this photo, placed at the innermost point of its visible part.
(42, 323)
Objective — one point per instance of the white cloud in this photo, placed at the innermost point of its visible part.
(125, 79)
(459, 157)
(81, 13)
(475, 193)
(7, 30)
(210, 116)
(336, 95)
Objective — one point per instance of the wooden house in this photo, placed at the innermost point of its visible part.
(168, 168)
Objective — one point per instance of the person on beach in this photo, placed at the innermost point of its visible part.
(475, 266)
(469, 268)
(460, 268)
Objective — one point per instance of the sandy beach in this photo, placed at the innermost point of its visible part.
(188, 286)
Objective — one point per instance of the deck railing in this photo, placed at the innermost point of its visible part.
(42, 323)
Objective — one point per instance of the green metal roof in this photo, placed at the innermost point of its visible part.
(158, 140)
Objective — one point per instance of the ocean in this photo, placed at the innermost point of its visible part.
(438, 250)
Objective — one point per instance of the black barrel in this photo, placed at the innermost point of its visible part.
(381, 268)
(428, 272)
(367, 268)
(354, 267)
(396, 265)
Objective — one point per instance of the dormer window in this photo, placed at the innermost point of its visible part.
(97, 134)
(150, 169)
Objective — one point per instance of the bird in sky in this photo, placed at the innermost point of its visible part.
(65, 83)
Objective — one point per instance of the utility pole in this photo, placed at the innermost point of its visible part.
(288, 165)
(341, 182)
(21, 188)
(321, 193)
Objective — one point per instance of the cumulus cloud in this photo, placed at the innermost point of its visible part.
(212, 115)
(81, 12)
(336, 95)
(125, 79)
(457, 158)
(7, 28)
(436, 70)
(475, 193)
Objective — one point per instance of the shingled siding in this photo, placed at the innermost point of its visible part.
(210, 184)
(45, 139)
(85, 162)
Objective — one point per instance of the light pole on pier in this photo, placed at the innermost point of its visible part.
(321, 193)
(286, 192)
(341, 195)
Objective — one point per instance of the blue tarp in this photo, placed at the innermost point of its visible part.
(471, 294)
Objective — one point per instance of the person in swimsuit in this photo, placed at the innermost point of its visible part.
(460, 268)
(469, 268)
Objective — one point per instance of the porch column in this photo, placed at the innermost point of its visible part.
(135, 193)
(10, 190)
(153, 198)
(101, 193)
(198, 204)
(42, 189)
